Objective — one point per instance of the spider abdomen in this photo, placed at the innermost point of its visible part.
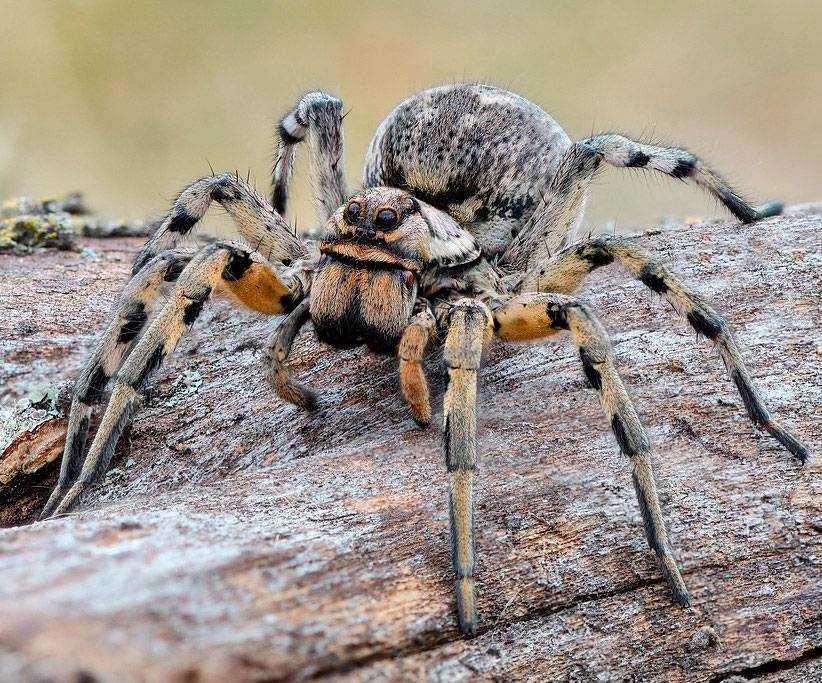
(483, 154)
(353, 305)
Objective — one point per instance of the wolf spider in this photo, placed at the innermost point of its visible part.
(463, 230)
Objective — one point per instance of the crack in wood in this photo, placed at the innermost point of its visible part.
(436, 643)
(439, 641)
(770, 667)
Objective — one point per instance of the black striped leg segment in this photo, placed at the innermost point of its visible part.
(277, 351)
(262, 228)
(468, 330)
(411, 351)
(619, 150)
(531, 316)
(221, 269)
(558, 212)
(131, 313)
(319, 116)
(567, 270)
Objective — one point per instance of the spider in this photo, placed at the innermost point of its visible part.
(466, 228)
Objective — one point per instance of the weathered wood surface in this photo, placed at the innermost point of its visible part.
(240, 539)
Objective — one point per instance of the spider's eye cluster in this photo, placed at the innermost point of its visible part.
(352, 212)
(386, 219)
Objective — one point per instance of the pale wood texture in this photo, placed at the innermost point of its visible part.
(241, 539)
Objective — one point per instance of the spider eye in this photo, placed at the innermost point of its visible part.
(352, 212)
(386, 219)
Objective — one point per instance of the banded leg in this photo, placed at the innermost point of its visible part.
(677, 163)
(131, 312)
(258, 224)
(318, 115)
(559, 212)
(567, 270)
(469, 329)
(279, 347)
(412, 346)
(531, 316)
(222, 269)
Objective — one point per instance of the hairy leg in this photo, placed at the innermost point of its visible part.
(131, 313)
(411, 351)
(560, 210)
(222, 269)
(277, 351)
(532, 316)
(319, 116)
(262, 228)
(469, 328)
(622, 151)
(567, 270)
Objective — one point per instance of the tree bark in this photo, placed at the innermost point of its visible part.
(238, 538)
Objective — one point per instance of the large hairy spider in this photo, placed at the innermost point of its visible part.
(464, 229)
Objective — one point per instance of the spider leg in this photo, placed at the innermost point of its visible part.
(258, 224)
(558, 214)
(559, 211)
(131, 312)
(318, 115)
(223, 269)
(567, 270)
(279, 347)
(469, 328)
(413, 384)
(619, 150)
(531, 316)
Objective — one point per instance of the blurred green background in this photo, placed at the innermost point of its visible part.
(127, 100)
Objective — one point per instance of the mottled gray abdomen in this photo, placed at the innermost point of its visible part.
(479, 152)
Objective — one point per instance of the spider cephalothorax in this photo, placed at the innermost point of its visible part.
(466, 229)
(380, 249)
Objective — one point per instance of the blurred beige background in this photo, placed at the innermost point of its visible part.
(127, 100)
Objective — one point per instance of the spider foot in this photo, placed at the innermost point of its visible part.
(62, 501)
(466, 606)
(54, 500)
(291, 391)
(670, 571)
(421, 413)
(798, 449)
(769, 209)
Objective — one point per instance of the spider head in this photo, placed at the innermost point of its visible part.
(383, 227)
(366, 285)
(378, 227)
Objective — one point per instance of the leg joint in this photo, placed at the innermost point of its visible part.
(706, 322)
(470, 325)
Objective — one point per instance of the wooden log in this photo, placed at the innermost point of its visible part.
(237, 538)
